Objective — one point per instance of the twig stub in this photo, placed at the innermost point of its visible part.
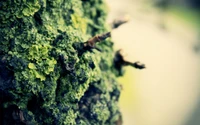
(119, 61)
(91, 43)
(118, 22)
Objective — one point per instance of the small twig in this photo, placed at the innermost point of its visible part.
(120, 61)
(117, 22)
(136, 65)
(91, 43)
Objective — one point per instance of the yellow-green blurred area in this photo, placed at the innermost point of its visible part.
(165, 36)
(187, 15)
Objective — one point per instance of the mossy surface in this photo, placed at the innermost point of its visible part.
(41, 70)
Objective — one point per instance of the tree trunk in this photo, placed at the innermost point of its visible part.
(43, 77)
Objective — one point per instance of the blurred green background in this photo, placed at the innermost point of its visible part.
(165, 35)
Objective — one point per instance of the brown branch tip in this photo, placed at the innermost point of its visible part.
(120, 60)
(118, 22)
(98, 38)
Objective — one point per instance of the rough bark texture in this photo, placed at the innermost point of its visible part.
(43, 79)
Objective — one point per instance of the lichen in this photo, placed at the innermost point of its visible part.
(45, 77)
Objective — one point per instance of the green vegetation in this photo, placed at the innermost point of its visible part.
(42, 76)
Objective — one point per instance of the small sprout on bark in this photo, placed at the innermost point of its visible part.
(117, 22)
(91, 43)
(119, 61)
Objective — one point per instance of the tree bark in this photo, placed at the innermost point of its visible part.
(43, 78)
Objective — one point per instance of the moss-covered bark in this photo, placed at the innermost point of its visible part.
(43, 79)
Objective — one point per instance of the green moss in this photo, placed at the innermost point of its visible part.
(79, 23)
(49, 79)
(70, 118)
(101, 110)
